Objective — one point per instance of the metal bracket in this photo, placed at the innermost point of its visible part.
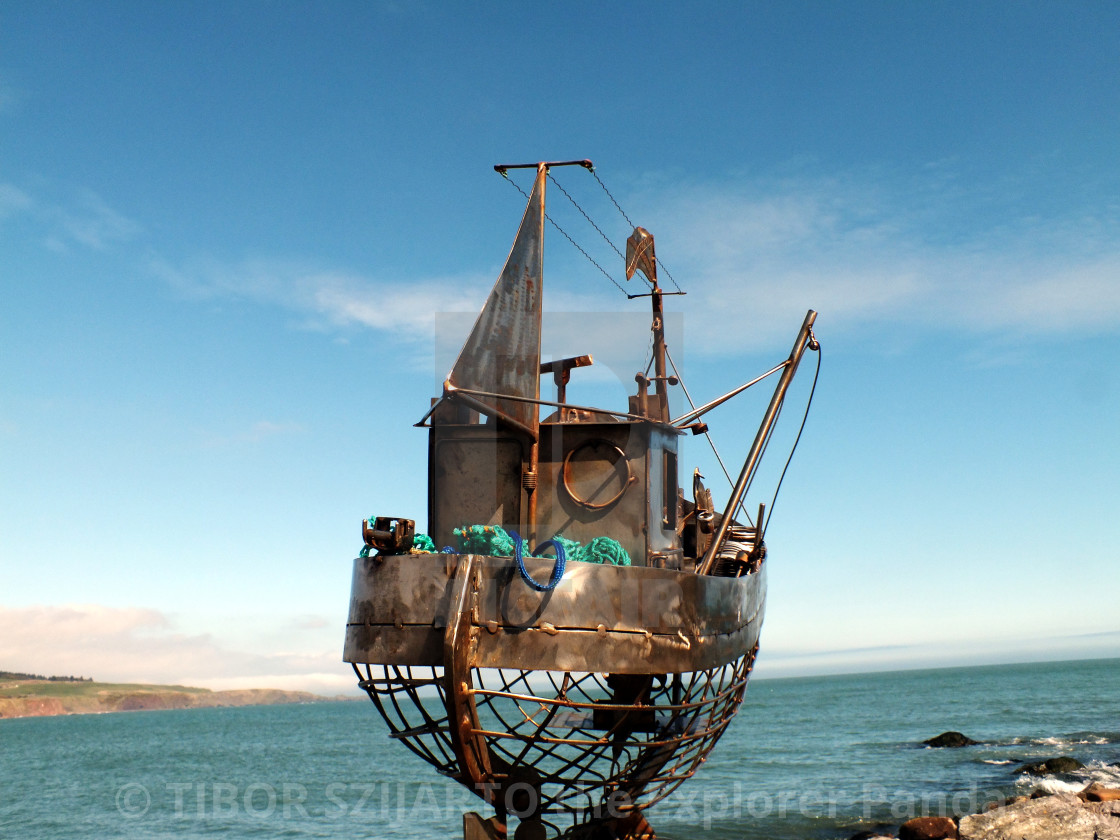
(389, 534)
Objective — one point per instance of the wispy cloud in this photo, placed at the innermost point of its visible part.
(754, 255)
(90, 221)
(864, 250)
(115, 644)
(13, 200)
(81, 219)
(762, 253)
(943, 651)
(329, 298)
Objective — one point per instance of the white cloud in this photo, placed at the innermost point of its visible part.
(864, 249)
(85, 219)
(90, 221)
(943, 650)
(755, 256)
(331, 298)
(115, 644)
(326, 683)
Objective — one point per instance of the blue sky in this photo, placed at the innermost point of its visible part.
(227, 230)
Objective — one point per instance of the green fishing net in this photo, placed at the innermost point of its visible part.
(495, 541)
(491, 540)
(422, 544)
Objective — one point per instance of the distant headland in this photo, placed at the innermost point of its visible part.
(35, 695)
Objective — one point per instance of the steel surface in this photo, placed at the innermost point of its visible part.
(503, 352)
(598, 618)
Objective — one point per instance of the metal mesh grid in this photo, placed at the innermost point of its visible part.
(578, 739)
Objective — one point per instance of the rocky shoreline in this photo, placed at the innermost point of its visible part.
(1093, 813)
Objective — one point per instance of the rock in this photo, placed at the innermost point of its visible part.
(879, 833)
(1061, 764)
(928, 828)
(1111, 809)
(1059, 817)
(1097, 793)
(950, 739)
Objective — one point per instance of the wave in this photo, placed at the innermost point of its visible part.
(1048, 784)
(1106, 775)
(1076, 739)
(1072, 739)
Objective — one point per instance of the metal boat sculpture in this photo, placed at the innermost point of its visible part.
(568, 696)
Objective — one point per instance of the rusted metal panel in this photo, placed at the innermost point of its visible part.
(396, 613)
(474, 479)
(388, 644)
(502, 355)
(558, 512)
(598, 618)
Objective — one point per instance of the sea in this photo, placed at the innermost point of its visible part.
(809, 758)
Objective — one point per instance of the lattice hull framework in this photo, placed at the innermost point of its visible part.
(578, 740)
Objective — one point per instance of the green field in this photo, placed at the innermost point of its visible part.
(71, 690)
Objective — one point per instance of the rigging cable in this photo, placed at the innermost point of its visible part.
(797, 440)
(707, 435)
(611, 197)
(569, 238)
(668, 273)
(583, 213)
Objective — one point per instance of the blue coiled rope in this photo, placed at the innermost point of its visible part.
(557, 570)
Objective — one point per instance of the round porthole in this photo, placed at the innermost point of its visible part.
(596, 474)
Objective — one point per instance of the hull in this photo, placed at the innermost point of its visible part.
(573, 708)
(620, 619)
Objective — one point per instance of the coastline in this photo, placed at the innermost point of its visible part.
(43, 698)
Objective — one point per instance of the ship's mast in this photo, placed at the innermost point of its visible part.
(661, 410)
(640, 257)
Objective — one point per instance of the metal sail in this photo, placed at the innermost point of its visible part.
(503, 353)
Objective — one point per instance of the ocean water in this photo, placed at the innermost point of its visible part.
(807, 758)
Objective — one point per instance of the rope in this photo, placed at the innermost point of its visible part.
(797, 440)
(557, 570)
